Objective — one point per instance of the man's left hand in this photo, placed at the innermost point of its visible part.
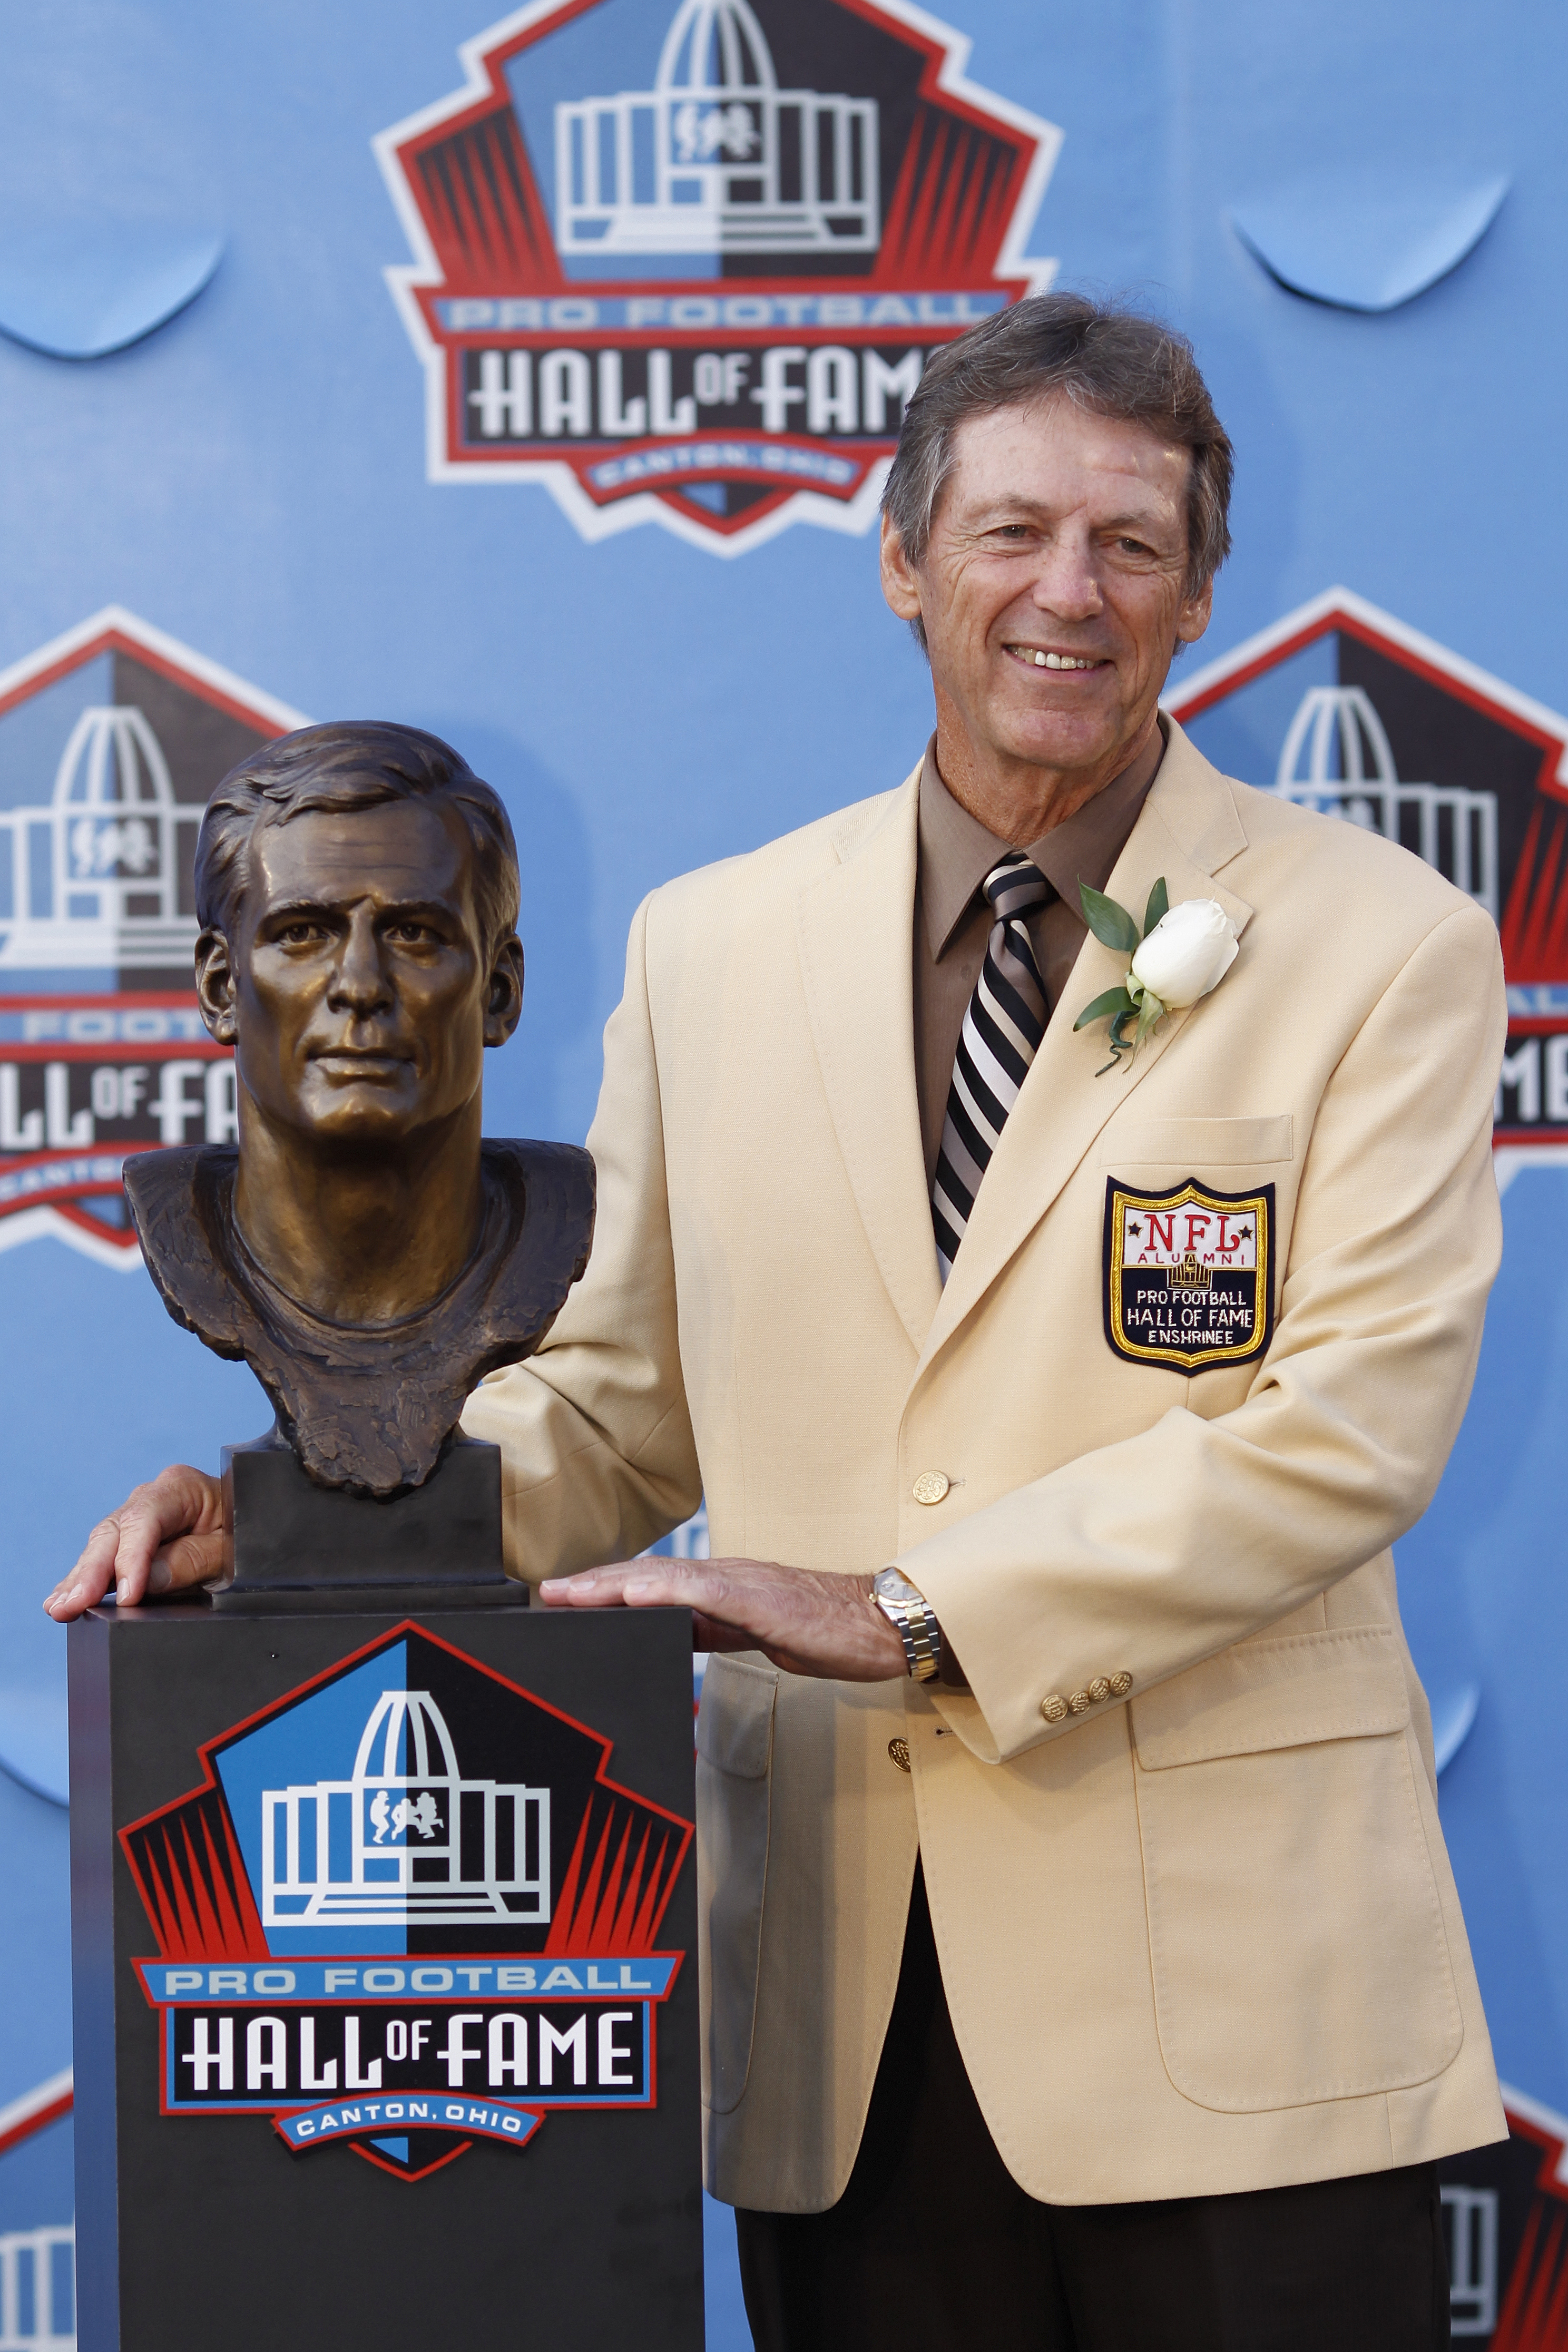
(806, 1623)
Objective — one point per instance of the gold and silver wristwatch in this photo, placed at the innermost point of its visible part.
(906, 1609)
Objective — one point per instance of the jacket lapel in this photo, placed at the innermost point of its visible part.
(856, 932)
(1188, 828)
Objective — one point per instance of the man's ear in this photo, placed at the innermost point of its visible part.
(503, 998)
(900, 582)
(1194, 617)
(216, 990)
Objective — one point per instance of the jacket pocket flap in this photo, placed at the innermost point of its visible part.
(735, 1720)
(1279, 1693)
(1196, 1142)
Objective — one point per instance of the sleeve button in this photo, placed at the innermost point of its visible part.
(1054, 1708)
(1099, 1688)
(1079, 1704)
(1120, 1684)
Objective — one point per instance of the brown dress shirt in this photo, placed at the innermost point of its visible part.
(952, 920)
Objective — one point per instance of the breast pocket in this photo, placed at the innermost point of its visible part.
(1198, 1143)
(1295, 1933)
(1191, 1245)
(734, 1761)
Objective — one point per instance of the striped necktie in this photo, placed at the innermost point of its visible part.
(1001, 1036)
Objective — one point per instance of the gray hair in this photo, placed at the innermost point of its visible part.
(1117, 364)
(352, 766)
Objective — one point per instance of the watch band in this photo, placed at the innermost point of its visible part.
(917, 1630)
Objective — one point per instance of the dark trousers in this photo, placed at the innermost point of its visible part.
(934, 2247)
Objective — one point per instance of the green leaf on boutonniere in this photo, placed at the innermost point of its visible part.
(1115, 1000)
(1134, 1000)
(1112, 926)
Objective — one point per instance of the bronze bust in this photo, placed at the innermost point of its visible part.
(368, 1255)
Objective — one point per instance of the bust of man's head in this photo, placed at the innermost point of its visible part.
(357, 889)
(363, 1249)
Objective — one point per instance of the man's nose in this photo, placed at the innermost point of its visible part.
(1066, 580)
(359, 985)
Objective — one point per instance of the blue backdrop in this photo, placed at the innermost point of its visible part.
(1354, 210)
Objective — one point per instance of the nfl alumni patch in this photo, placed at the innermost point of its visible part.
(1189, 1275)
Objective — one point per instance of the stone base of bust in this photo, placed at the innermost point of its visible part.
(291, 1545)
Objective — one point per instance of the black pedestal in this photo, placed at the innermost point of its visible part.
(385, 1934)
(293, 1545)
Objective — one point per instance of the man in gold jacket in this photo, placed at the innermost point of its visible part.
(1082, 1965)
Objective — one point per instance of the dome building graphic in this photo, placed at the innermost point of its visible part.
(716, 159)
(1336, 758)
(91, 878)
(37, 2290)
(406, 1841)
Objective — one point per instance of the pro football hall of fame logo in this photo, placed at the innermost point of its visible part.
(684, 260)
(110, 738)
(407, 1909)
(1347, 711)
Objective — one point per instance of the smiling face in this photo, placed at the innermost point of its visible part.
(1053, 591)
(356, 990)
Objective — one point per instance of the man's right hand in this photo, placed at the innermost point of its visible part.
(168, 1535)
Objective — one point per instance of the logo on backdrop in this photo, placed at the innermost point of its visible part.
(1505, 2216)
(684, 260)
(110, 738)
(1343, 708)
(406, 1910)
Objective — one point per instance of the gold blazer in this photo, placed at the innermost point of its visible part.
(1197, 1926)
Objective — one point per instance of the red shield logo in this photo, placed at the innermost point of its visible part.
(110, 738)
(1348, 710)
(684, 260)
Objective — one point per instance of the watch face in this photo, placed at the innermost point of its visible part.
(890, 1586)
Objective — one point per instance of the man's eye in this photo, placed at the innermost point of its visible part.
(415, 935)
(301, 935)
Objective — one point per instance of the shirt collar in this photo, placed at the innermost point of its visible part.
(957, 852)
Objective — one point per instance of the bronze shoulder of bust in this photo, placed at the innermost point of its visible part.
(360, 1246)
(369, 1406)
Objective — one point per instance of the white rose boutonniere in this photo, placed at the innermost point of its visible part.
(1179, 955)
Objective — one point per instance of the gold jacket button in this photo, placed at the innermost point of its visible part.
(1078, 1703)
(1120, 1684)
(899, 1749)
(1054, 1708)
(1099, 1688)
(930, 1486)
